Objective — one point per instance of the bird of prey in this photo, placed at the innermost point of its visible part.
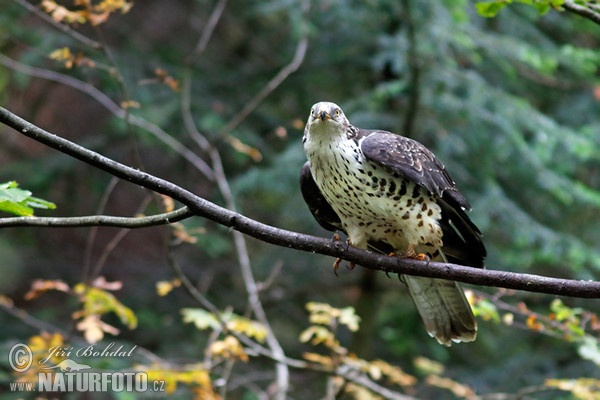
(390, 193)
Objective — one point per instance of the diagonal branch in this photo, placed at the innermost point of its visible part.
(203, 208)
(583, 11)
(113, 107)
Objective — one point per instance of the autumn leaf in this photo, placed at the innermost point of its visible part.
(393, 373)
(236, 323)
(164, 77)
(93, 328)
(167, 202)
(165, 287)
(581, 388)
(41, 346)
(40, 286)
(194, 376)
(457, 388)
(243, 148)
(318, 359)
(97, 301)
(228, 348)
(62, 14)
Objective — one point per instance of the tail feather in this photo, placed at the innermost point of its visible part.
(444, 308)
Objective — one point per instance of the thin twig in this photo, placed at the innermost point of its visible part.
(91, 237)
(286, 71)
(97, 220)
(280, 237)
(57, 25)
(282, 372)
(207, 32)
(113, 107)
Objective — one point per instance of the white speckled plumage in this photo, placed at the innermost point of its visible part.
(355, 172)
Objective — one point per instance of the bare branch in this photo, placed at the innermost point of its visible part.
(269, 234)
(57, 25)
(286, 71)
(282, 371)
(113, 107)
(97, 220)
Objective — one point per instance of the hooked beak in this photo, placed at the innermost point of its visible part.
(323, 115)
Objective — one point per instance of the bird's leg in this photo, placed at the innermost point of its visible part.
(351, 265)
(338, 261)
(411, 253)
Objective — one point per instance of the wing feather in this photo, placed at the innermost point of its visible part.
(412, 160)
(462, 239)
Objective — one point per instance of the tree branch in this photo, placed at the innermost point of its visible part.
(582, 11)
(280, 237)
(113, 107)
(98, 220)
(57, 25)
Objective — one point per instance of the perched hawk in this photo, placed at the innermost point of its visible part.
(391, 194)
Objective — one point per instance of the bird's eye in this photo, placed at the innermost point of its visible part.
(338, 112)
(312, 112)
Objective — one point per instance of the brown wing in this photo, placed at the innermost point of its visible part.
(413, 161)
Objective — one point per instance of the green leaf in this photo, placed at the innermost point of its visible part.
(490, 9)
(20, 202)
(200, 318)
(590, 350)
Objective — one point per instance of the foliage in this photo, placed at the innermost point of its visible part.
(492, 8)
(95, 302)
(20, 202)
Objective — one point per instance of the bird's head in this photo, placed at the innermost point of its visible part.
(327, 116)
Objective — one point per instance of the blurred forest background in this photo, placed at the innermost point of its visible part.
(510, 104)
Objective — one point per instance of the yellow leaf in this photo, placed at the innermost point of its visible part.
(349, 318)
(238, 145)
(533, 323)
(319, 359)
(165, 287)
(97, 302)
(164, 77)
(62, 54)
(394, 374)
(317, 335)
(199, 317)
(428, 366)
(167, 202)
(193, 376)
(182, 234)
(130, 104)
(62, 14)
(113, 5)
(358, 392)
(44, 353)
(247, 327)
(228, 348)
(581, 388)
(458, 389)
